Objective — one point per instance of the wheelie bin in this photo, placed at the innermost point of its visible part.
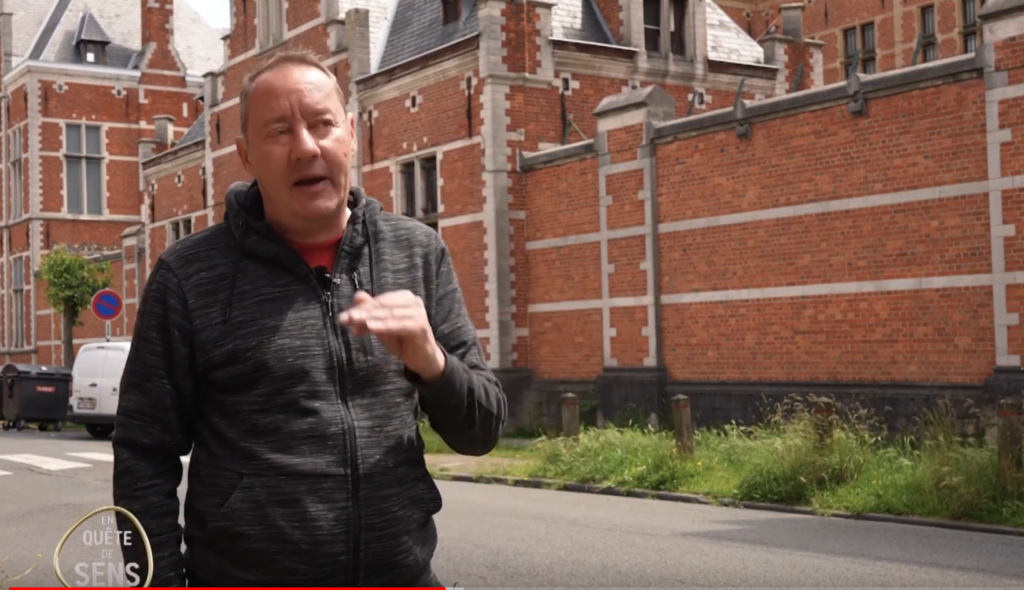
(35, 393)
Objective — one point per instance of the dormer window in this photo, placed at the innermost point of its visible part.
(451, 10)
(91, 40)
(93, 53)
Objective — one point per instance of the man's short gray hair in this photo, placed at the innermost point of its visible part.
(285, 57)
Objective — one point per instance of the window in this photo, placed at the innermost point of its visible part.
(83, 169)
(652, 26)
(866, 58)
(418, 182)
(18, 307)
(971, 31)
(677, 26)
(450, 10)
(93, 53)
(17, 204)
(929, 50)
(270, 22)
(178, 229)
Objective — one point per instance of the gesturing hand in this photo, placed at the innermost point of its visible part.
(399, 321)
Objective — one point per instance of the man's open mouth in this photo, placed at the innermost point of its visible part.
(310, 180)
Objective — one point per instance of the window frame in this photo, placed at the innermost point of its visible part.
(427, 210)
(451, 11)
(867, 60)
(16, 174)
(271, 24)
(970, 32)
(18, 302)
(929, 41)
(85, 157)
(179, 229)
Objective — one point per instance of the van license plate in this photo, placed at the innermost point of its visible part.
(87, 403)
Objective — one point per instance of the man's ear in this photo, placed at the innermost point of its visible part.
(243, 154)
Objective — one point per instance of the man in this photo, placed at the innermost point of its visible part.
(288, 349)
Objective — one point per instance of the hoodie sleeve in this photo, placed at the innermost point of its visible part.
(465, 405)
(153, 430)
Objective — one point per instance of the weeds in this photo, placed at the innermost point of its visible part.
(841, 459)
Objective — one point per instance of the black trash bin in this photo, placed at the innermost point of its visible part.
(35, 393)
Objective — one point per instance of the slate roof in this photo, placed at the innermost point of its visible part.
(46, 30)
(416, 29)
(197, 132)
(727, 41)
(89, 29)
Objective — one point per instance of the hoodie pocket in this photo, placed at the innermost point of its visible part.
(273, 523)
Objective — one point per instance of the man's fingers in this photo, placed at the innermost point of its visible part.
(362, 298)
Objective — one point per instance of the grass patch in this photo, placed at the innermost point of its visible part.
(433, 444)
(786, 460)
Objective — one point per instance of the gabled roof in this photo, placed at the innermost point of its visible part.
(417, 27)
(727, 41)
(89, 29)
(47, 30)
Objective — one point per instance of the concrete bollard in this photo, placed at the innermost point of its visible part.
(823, 412)
(683, 425)
(570, 414)
(1009, 439)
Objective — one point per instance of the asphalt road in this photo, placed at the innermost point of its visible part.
(495, 536)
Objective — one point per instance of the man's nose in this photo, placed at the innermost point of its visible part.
(304, 145)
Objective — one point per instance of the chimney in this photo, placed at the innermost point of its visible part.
(164, 132)
(792, 20)
(211, 92)
(6, 37)
(357, 21)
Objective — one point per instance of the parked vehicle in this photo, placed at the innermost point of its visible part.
(95, 379)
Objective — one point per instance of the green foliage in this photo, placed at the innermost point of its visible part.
(785, 460)
(72, 280)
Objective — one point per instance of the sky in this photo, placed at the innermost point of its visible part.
(214, 11)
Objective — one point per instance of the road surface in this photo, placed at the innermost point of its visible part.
(496, 536)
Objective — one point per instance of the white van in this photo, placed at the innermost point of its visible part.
(95, 379)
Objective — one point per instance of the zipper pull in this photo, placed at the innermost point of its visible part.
(355, 279)
(330, 302)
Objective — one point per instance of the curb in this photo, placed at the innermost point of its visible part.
(586, 488)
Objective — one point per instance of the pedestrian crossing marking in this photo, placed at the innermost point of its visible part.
(6, 473)
(108, 457)
(47, 463)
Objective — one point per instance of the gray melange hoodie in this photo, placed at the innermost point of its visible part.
(307, 467)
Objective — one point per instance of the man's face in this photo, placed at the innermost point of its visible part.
(298, 145)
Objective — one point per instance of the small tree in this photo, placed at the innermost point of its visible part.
(71, 281)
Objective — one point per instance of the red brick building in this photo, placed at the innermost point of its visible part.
(628, 242)
(88, 90)
(882, 36)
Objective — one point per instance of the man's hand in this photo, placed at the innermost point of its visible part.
(399, 321)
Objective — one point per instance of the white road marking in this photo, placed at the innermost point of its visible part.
(48, 463)
(5, 473)
(108, 457)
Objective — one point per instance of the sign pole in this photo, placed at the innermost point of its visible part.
(107, 330)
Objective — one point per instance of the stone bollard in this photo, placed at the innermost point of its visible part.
(823, 412)
(683, 425)
(570, 414)
(1009, 439)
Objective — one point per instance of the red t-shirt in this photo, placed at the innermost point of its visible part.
(319, 253)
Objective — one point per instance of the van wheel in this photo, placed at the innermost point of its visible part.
(20, 425)
(99, 431)
(43, 426)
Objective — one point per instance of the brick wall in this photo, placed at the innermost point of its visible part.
(826, 246)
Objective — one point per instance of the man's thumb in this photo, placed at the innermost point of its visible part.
(361, 297)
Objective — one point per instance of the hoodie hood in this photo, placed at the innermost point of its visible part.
(245, 216)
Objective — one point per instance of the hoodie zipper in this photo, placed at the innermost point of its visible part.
(343, 346)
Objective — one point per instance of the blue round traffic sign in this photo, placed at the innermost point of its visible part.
(106, 304)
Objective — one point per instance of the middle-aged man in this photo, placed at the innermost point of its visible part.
(289, 349)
